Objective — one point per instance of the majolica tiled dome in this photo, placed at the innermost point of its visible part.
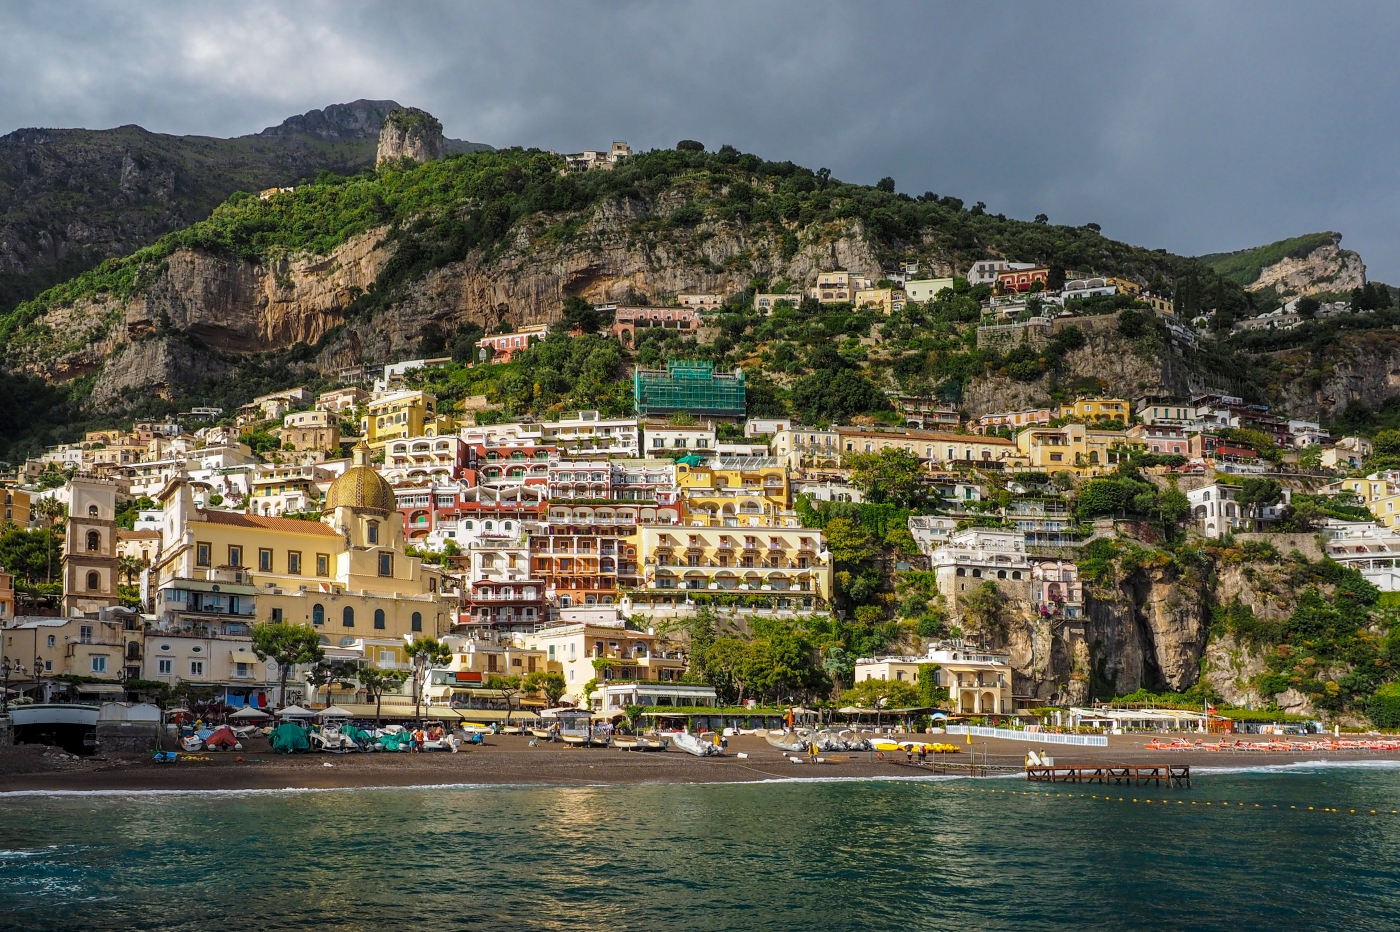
(360, 487)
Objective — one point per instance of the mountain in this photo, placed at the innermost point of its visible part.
(419, 257)
(1291, 268)
(70, 198)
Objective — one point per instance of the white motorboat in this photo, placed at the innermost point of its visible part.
(691, 744)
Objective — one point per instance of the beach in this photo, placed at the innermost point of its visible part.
(511, 760)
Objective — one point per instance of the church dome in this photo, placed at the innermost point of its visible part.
(360, 487)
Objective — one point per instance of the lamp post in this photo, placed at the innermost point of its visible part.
(6, 668)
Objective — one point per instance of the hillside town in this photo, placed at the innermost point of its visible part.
(549, 561)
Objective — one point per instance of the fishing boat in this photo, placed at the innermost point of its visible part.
(691, 744)
(638, 743)
(514, 730)
(544, 734)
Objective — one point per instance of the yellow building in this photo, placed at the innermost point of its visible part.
(1077, 448)
(18, 505)
(885, 300)
(399, 415)
(310, 430)
(88, 647)
(733, 491)
(607, 653)
(1368, 490)
(1386, 509)
(1098, 409)
(347, 574)
(783, 563)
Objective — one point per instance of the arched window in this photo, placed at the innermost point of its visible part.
(94, 541)
(318, 614)
(372, 534)
(94, 582)
(92, 511)
(347, 618)
(416, 621)
(379, 619)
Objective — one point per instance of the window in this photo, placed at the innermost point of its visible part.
(94, 541)
(52, 640)
(203, 554)
(293, 562)
(276, 614)
(372, 532)
(323, 564)
(347, 617)
(99, 664)
(196, 668)
(235, 556)
(379, 619)
(243, 669)
(94, 582)
(92, 511)
(264, 560)
(318, 614)
(165, 666)
(386, 564)
(416, 622)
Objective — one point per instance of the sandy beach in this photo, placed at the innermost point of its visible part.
(508, 759)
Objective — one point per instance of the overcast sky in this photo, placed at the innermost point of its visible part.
(1198, 127)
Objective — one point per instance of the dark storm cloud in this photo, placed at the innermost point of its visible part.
(1194, 127)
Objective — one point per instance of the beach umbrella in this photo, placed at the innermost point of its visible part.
(851, 710)
(295, 711)
(334, 711)
(249, 714)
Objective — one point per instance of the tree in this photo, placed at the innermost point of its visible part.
(984, 613)
(377, 682)
(882, 694)
(581, 315)
(892, 475)
(424, 652)
(690, 145)
(548, 682)
(885, 184)
(1308, 307)
(1386, 443)
(930, 693)
(510, 687)
(53, 512)
(286, 645)
(1256, 493)
(827, 396)
(330, 675)
(130, 567)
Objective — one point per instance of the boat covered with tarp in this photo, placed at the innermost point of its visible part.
(288, 738)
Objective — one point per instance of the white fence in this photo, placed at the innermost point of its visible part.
(1038, 737)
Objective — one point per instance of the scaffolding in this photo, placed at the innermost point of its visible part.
(688, 385)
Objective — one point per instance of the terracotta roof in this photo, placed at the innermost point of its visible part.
(285, 525)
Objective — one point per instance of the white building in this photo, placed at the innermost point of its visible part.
(766, 426)
(1372, 551)
(591, 434)
(668, 437)
(985, 271)
(931, 531)
(978, 682)
(926, 289)
(968, 557)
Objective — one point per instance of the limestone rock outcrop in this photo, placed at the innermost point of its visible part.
(409, 133)
(1326, 268)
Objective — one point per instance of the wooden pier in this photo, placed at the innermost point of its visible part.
(1168, 775)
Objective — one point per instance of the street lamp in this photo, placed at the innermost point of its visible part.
(6, 668)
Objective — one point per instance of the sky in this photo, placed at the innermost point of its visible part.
(1192, 126)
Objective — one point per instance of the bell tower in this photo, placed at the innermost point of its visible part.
(90, 547)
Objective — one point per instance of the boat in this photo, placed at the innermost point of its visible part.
(194, 741)
(514, 730)
(331, 740)
(544, 734)
(692, 744)
(631, 743)
(788, 741)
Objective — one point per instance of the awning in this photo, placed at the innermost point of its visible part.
(102, 689)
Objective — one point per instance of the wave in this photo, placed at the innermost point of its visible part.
(1304, 766)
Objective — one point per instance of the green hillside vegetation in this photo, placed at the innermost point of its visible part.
(1243, 267)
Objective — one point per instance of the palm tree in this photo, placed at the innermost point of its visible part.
(130, 566)
(53, 512)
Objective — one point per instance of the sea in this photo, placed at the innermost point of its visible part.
(1304, 847)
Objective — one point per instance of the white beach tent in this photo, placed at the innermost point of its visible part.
(249, 714)
(295, 711)
(334, 711)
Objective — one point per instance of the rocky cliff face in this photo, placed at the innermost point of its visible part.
(409, 133)
(1358, 369)
(1327, 268)
(70, 198)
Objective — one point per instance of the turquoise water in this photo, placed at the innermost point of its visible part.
(809, 856)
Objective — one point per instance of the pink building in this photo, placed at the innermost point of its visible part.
(504, 346)
(628, 320)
